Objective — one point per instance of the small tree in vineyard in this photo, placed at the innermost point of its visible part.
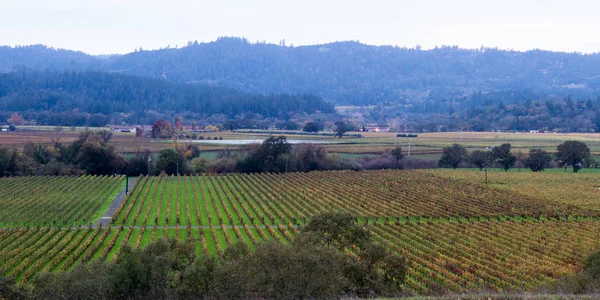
(538, 160)
(480, 158)
(572, 153)
(503, 157)
(452, 156)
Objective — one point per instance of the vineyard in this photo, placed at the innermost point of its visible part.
(62, 200)
(293, 197)
(457, 234)
(581, 189)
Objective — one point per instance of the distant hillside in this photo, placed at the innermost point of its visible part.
(348, 72)
(39, 57)
(425, 90)
(66, 97)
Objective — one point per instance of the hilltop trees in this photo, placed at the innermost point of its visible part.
(572, 153)
(452, 156)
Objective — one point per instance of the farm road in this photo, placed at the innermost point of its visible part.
(105, 219)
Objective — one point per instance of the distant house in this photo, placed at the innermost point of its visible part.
(4, 130)
(123, 128)
(377, 128)
(534, 131)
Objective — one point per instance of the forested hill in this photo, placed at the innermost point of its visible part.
(39, 57)
(347, 72)
(55, 95)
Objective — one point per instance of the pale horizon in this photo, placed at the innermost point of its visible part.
(119, 27)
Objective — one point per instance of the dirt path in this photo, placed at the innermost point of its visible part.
(105, 219)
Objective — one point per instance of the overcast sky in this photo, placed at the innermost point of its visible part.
(120, 26)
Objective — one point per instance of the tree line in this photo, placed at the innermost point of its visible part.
(90, 153)
(574, 154)
(93, 98)
(313, 265)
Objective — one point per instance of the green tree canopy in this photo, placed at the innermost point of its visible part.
(397, 153)
(502, 156)
(96, 157)
(480, 158)
(341, 128)
(168, 160)
(267, 157)
(312, 127)
(338, 230)
(452, 156)
(538, 160)
(572, 153)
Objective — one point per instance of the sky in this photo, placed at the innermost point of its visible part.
(121, 26)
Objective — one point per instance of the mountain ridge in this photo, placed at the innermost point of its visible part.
(345, 73)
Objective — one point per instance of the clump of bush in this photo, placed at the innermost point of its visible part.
(585, 282)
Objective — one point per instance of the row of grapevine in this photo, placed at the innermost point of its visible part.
(563, 187)
(455, 256)
(281, 198)
(54, 200)
(496, 255)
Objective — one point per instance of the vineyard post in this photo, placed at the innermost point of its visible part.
(126, 179)
(486, 180)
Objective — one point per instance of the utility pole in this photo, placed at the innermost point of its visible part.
(409, 140)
